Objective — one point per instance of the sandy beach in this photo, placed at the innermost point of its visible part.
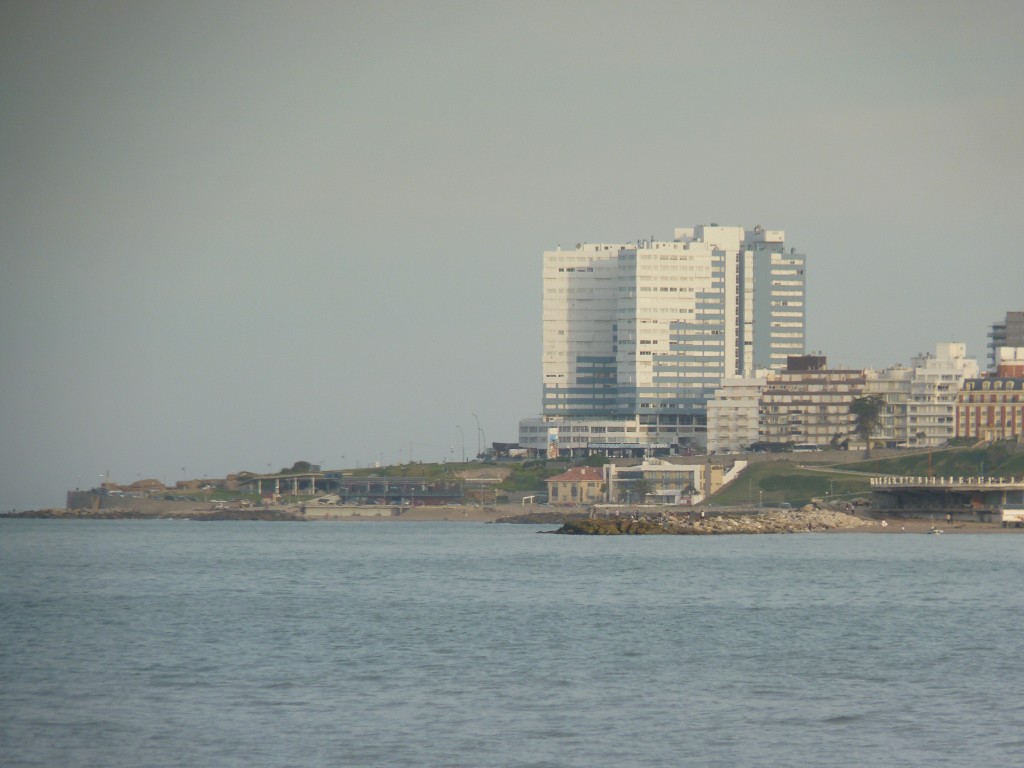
(914, 525)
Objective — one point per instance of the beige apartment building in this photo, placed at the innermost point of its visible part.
(809, 403)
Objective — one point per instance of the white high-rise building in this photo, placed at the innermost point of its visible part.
(637, 337)
(920, 401)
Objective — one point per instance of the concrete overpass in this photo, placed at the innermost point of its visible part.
(962, 498)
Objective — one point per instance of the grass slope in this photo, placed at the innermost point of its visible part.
(998, 460)
(773, 482)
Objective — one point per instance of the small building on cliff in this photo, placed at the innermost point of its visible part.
(577, 486)
(663, 481)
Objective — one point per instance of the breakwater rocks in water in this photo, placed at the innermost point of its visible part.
(770, 521)
(555, 517)
(249, 514)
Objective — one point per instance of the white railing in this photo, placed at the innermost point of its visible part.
(932, 482)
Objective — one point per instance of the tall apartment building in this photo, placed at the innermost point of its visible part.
(920, 401)
(1007, 333)
(637, 337)
(809, 403)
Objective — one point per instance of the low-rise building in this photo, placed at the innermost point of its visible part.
(577, 486)
(569, 437)
(664, 481)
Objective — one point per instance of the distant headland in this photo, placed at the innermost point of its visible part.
(751, 493)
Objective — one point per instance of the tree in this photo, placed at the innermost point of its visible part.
(867, 412)
(640, 489)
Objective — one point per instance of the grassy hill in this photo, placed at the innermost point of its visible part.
(773, 482)
(999, 459)
(513, 476)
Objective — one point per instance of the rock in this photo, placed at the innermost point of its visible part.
(774, 521)
(548, 517)
(611, 527)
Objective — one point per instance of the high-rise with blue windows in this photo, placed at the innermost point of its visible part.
(637, 336)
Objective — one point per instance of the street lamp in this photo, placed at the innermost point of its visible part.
(478, 431)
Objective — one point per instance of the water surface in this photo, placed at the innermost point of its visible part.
(170, 643)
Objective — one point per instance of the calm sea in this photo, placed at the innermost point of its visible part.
(168, 643)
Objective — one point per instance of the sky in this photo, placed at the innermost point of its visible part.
(236, 235)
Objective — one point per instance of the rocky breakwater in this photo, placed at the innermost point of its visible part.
(806, 520)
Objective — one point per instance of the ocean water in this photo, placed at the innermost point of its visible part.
(169, 643)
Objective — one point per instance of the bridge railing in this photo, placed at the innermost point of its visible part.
(904, 481)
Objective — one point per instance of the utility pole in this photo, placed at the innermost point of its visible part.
(478, 430)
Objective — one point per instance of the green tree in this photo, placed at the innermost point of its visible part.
(640, 490)
(867, 413)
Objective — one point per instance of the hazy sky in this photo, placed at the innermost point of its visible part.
(235, 235)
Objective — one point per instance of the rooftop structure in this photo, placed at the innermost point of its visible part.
(1011, 362)
(1008, 332)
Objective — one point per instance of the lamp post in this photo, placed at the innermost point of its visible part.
(478, 431)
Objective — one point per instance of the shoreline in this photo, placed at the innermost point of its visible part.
(921, 525)
(675, 521)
